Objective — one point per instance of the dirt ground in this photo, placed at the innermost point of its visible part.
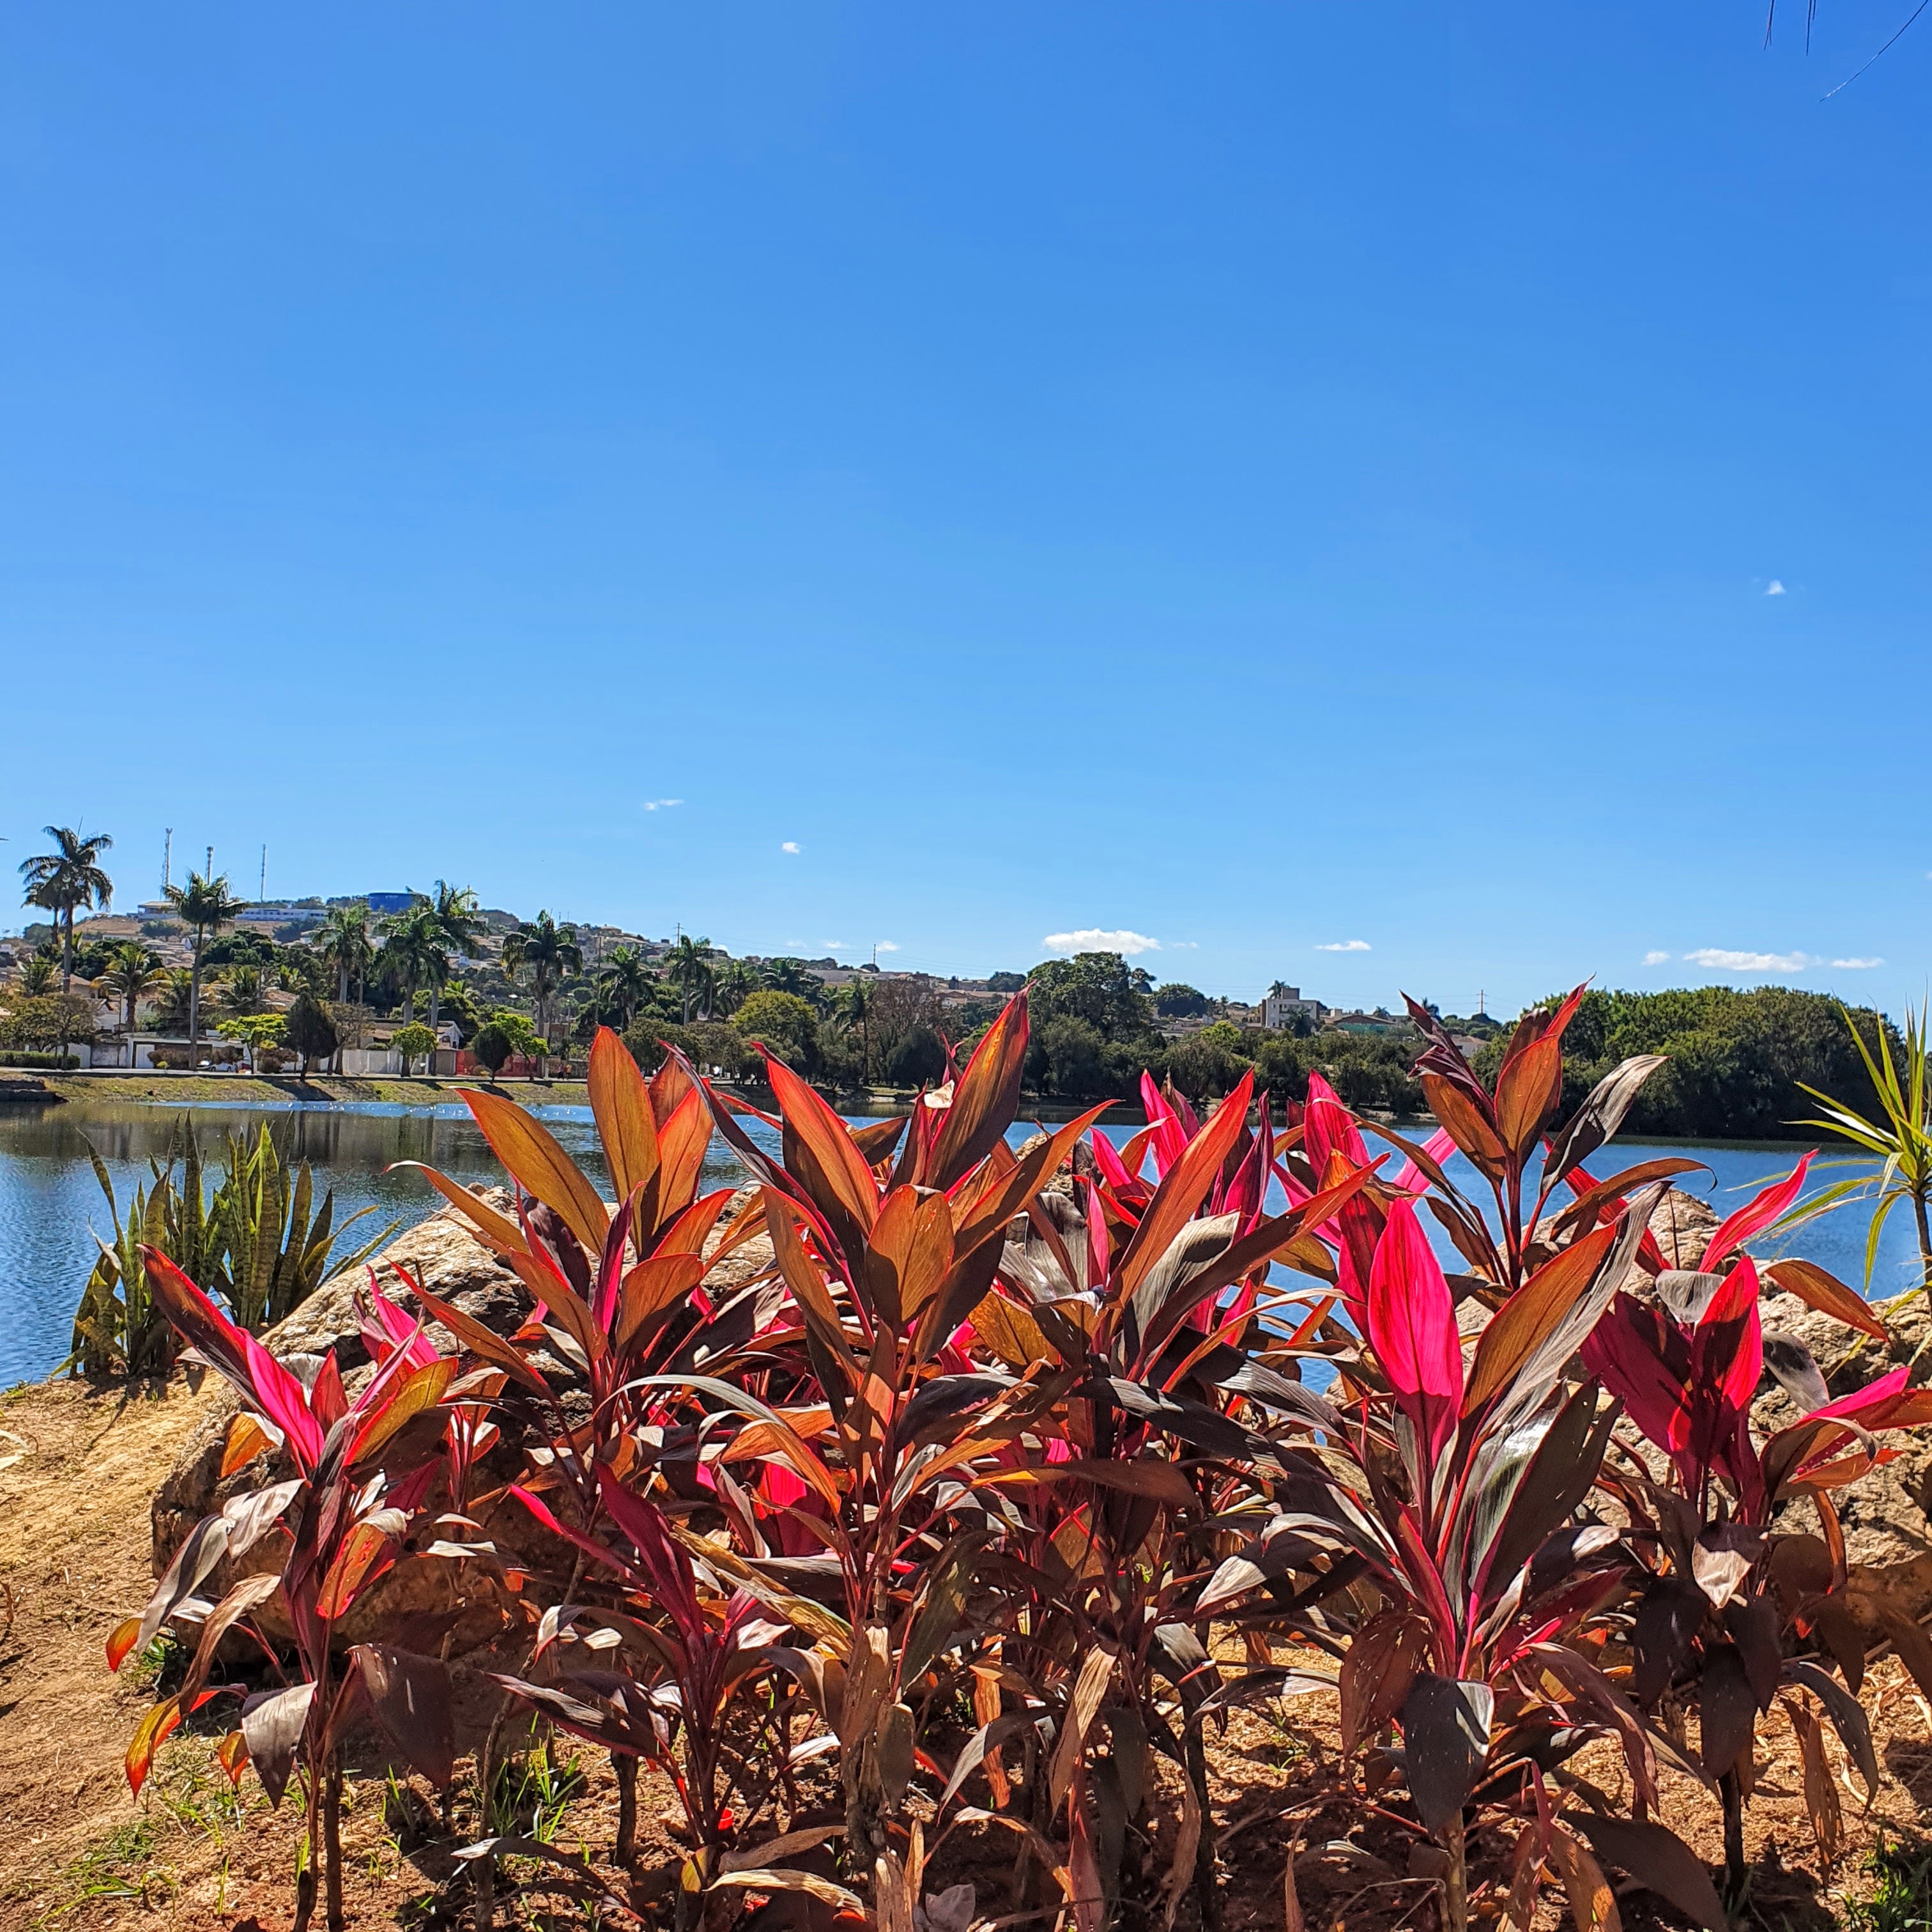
(77, 1467)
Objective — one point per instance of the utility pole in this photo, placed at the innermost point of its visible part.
(261, 891)
(209, 863)
(167, 862)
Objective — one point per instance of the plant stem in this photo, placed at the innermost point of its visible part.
(625, 1766)
(1456, 1881)
(1732, 1795)
(332, 1835)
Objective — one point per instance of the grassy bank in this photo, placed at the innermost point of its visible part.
(248, 1090)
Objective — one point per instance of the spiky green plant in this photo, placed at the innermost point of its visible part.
(1900, 1141)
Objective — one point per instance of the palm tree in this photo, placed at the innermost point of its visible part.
(459, 920)
(690, 969)
(66, 878)
(733, 986)
(37, 975)
(625, 980)
(413, 953)
(342, 940)
(207, 905)
(242, 994)
(132, 970)
(852, 1003)
(549, 952)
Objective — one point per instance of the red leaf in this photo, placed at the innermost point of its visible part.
(1412, 1330)
(1754, 1216)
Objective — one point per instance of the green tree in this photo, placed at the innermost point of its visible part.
(259, 1032)
(1178, 1001)
(310, 1032)
(1099, 988)
(732, 985)
(413, 954)
(133, 972)
(242, 993)
(38, 973)
(412, 1042)
(493, 1047)
(792, 976)
(690, 971)
(206, 906)
(459, 920)
(1005, 983)
(853, 1005)
(342, 941)
(66, 879)
(47, 1022)
(1208, 1063)
(548, 953)
(1072, 1055)
(783, 1022)
(626, 982)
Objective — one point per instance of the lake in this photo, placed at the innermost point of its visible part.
(48, 1197)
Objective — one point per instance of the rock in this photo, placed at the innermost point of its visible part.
(1080, 1162)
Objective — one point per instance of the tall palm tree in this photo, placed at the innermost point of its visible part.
(549, 953)
(690, 969)
(625, 981)
(413, 953)
(459, 919)
(733, 986)
(133, 971)
(37, 975)
(68, 878)
(853, 1002)
(206, 905)
(342, 940)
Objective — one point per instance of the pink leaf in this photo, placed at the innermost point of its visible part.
(1754, 1216)
(1411, 1318)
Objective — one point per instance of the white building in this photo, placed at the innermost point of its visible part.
(1281, 1006)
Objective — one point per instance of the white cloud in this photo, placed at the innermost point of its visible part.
(886, 946)
(1773, 589)
(1095, 939)
(1346, 945)
(1722, 959)
(790, 845)
(1856, 965)
(661, 804)
(832, 945)
(1655, 959)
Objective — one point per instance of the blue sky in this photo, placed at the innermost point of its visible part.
(1259, 478)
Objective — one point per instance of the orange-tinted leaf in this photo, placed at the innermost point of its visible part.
(1467, 1127)
(567, 1308)
(877, 1142)
(495, 1231)
(910, 1250)
(651, 1287)
(154, 1730)
(530, 1153)
(669, 1085)
(233, 1753)
(682, 1142)
(1526, 1321)
(121, 1641)
(423, 1389)
(689, 1233)
(1162, 1481)
(1382, 1661)
(1527, 1093)
(626, 1123)
(1186, 1186)
(247, 1439)
(483, 1341)
(985, 1099)
(802, 1277)
(986, 1201)
(821, 1155)
(1818, 1289)
(365, 1553)
(1011, 1334)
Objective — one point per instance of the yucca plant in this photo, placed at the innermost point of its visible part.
(117, 1324)
(1899, 1140)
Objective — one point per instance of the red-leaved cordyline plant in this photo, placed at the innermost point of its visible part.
(1149, 1317)
(365, 1468)
(1732, 1589)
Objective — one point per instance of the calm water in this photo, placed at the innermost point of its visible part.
(49, 1198)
